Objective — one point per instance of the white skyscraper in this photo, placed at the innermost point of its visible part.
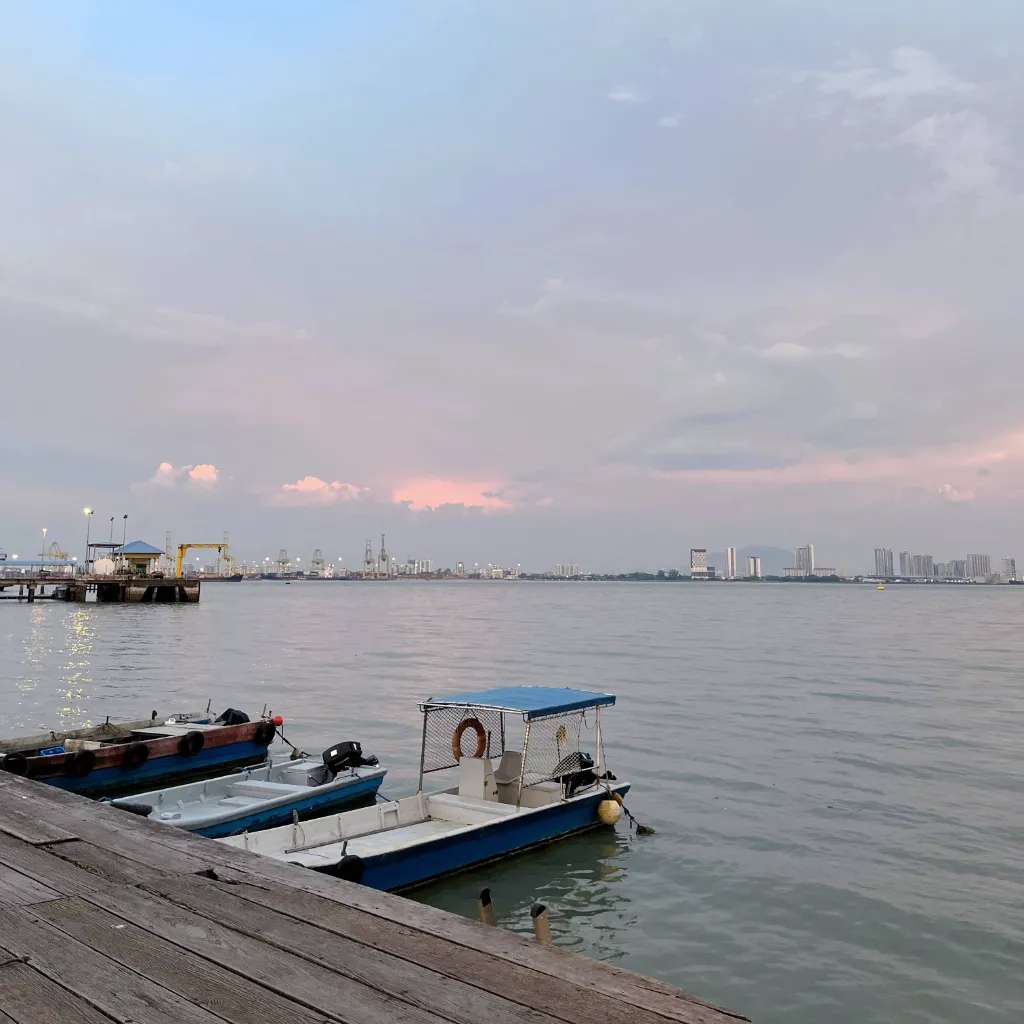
(730, 563)
(754, 567)
(805, 560)
(699, 563)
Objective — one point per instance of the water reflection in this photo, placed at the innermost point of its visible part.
(75, 684)
(581, 880)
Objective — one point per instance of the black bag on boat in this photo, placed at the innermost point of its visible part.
(232, 716)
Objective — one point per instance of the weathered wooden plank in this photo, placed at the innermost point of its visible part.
(623, 986)
(316, 986)
(449, 996)
(21, 818)
(388, 911)
(106, 867)
(106, 985)
(28, 997)
(44, 864)
(18, 890)
(230, 996)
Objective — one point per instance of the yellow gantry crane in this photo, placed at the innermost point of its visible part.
(183, 550)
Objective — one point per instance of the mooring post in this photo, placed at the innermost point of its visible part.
(487, 914)
(541, 924)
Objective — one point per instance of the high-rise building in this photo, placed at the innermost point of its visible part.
(1010, 569)
(699, 563)
(921, 566)
(730, 563)
(979, 567)
(957, 569)
(883, 562)
(754, 567)
(805, 560)
(906, 566)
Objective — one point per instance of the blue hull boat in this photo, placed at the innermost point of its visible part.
(264, 796)
(546, 791)
(115, 759)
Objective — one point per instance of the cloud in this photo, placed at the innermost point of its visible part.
(669, 121)
(167, 475)
(955, 495)
(205, 474)
(793, 352)
(912, 73)
(311, 490)
(963, 148)
(425, 493)
(787, 352)
(626, 94)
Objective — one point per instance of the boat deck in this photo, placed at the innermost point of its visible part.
(106, 916)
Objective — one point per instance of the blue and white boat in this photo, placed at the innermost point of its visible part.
(531, 769)
(265, 795)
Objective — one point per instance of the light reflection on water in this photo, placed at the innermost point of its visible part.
(834, 774)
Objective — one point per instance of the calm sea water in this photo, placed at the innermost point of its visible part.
(834, 773)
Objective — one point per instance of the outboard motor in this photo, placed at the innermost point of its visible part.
(347, 755)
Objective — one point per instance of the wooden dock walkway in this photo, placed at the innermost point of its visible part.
(105, 916)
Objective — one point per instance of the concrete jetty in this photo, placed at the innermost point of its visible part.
(108, 589)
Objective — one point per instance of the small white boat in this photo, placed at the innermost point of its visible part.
(507, 800)
(265, 795)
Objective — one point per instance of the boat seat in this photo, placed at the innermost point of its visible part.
(506, 776)
(466, 810)
(476, 778)
(254, 787)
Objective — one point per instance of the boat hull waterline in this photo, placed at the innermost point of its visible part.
(425, 860)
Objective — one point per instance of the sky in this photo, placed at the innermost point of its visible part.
(536, 282)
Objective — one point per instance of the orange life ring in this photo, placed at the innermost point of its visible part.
(481, 737)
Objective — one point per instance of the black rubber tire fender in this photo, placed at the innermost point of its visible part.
(135, 756)
(264, 734)
(191, 743)
(350, 868)
(16, 764)
(79, 763)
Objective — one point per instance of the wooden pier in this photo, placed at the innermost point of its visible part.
(105, 916)
(108, 589)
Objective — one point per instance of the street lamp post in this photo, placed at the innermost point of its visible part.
(42, 550)
(88, 513)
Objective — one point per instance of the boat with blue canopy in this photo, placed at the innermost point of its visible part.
(531, 768)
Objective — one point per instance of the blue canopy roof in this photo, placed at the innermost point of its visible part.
(529, 701)
(138, 547)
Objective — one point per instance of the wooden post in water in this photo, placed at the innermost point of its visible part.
(541, 924)
(487, 914)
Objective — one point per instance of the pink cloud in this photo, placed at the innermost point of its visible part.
(311, 490)
(920, 468)
(433, 492)
(204, 473)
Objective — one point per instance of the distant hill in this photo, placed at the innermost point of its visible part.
(773, 560)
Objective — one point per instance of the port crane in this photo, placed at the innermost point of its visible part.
(183, 550)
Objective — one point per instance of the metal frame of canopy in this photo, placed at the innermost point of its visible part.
(553, 713)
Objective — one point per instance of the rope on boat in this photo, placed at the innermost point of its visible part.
(297, 754)
(641, 830)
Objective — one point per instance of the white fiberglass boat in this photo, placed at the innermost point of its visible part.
(506, 800)
(265, 795)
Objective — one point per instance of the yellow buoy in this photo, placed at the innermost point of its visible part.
(609, 811)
